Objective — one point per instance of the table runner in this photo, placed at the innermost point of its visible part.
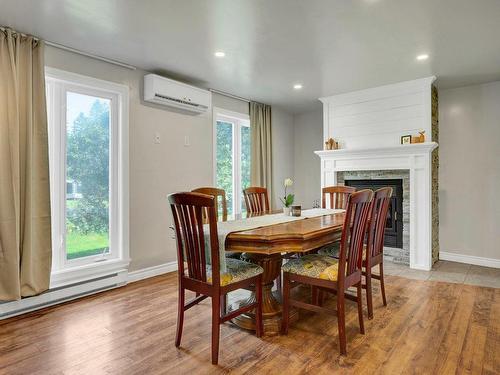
(224, 228)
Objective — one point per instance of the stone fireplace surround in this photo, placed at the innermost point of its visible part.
(415, 159)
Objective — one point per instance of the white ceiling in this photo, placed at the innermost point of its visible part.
(329, 46)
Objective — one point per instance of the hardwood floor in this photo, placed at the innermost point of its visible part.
(428, 327)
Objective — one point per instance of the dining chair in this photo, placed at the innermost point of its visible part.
(375, 245)
(374, 248)
(216, 193)
(204, 275)
(338, 196)
(328, 274)
(256, 199)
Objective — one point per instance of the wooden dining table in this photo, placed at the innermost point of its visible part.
(266, 246)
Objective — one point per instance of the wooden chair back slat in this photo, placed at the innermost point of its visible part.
(216, 193)
(256, 200)
(378, 218)
(338, 196)
(353, 233)
(187, 211)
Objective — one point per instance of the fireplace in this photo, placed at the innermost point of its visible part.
(394, 223)
(368, 125)
(397, 239)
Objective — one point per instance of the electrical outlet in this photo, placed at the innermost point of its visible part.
(157, 138)
(187, 142)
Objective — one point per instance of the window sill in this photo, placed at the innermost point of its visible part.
(83, 273)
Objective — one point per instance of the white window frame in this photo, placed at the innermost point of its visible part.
(238, 120)
(64, 271)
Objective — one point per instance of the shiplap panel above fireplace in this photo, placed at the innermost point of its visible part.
(379, 116)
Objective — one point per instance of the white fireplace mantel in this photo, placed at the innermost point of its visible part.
(414, 157)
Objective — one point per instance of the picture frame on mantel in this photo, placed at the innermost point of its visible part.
(406, 139)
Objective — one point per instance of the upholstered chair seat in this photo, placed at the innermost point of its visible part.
(237, 270)
(313, 265)
(331, 250)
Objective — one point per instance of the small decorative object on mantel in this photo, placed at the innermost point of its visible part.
(287, 200)
(296, 210)
(331, 144)
(406, 139)
(420, 138)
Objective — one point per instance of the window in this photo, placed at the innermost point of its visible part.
(232, 156)
(87, 121)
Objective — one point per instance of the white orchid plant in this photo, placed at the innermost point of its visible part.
(287, 200)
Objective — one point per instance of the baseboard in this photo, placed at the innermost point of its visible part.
(81, 289)
(469, 259)
(152, 271)
(63, 294)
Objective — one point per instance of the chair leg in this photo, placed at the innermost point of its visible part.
(369, 297)
(341, 321)
(259, 329)
(224, 304)
(180, 316)
(382, 286)
(314, 295)
(286, 304)
(215, 327)
(360, 309)
(317, 296)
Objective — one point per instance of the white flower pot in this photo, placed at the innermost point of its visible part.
(286, 211)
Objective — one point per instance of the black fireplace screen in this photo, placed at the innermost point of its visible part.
(394, 226)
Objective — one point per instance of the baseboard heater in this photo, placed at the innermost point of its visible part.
(63, 294)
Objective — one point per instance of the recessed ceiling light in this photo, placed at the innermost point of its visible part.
(297, 86)
(422, 57)
(219, 54)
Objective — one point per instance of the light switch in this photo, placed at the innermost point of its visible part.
(157, 138)
(187, 142)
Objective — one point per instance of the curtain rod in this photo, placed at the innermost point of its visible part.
(73, 50)
(91, 55)
(230, 95)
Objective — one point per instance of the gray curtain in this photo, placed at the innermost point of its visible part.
(25, 228)
(261, 155)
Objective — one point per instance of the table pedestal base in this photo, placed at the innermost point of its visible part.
(271, 307)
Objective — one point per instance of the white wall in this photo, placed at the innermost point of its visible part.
(469, 173)
(308, 137)
(157, 170)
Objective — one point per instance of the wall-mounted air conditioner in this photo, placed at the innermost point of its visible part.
(164, 91)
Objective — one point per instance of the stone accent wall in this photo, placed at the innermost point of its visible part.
(393, 254)
(435, 176)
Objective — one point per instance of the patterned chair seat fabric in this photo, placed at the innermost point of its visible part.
(237, 270)
(313, 265)
(333, 250)
(233, 255)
